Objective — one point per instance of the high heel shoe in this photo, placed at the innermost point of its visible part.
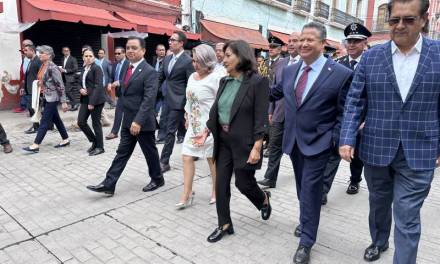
(187, 203)
(219, 232)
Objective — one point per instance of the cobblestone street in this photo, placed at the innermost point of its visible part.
(48, 216)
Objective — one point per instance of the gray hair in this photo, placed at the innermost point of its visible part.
(47, 50)
(205, 55)
(318, 26)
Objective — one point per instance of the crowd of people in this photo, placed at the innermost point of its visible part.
(377, 108)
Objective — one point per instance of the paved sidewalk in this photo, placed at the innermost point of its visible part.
(48, 216)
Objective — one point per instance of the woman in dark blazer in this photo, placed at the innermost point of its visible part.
(238, 120)
(92, 102)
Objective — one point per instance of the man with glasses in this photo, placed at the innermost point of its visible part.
(121, 66)
(356, 36)
(399, 83)
(175, 71)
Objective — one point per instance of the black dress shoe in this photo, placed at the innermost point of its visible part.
(31, 130)
(298, 231)
(96, 151)
(353, 188)
(180, 140)
(267, 183)
(101, 188)
(372, 252)
(92, 148)
(160, 141)
(153, 185)
(62, 145)
(31, 150)
(266, 210)
(302, 255)
(164, 167)
(219, 232)
(324, 199)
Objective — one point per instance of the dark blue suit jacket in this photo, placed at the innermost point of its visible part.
(315, 124)
(389, 121)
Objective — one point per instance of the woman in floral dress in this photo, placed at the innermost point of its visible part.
(200, 95)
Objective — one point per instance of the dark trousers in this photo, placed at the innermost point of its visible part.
(309, 176)
(356, 166)
(3, 138)
(49, 117)
(125, 149)
(72, 92)
(275, 151)
(406, 189)
(119, 113)
(83, 116)
(174, 120)
(244, 180)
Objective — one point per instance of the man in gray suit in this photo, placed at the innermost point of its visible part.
(106, 67)
(175, 71)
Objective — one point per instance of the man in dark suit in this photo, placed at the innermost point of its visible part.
(314, 92)
(175, 71)
(157, 63)
(121, 66)
(69, 69)
(29, 77)
(276, 118)
(139, 90)
(399, 83)
(356, 37)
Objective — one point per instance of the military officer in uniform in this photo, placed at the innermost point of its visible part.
(356, 43)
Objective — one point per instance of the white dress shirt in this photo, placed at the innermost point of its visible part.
(174, 60)
(293, 60)
(316, 66)
(65, 61)
(86, 71)
(136, 64)
(405, 66)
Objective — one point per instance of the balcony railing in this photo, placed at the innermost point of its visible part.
(288, 2)
(322, 10)
(304, 5)
(343, 18)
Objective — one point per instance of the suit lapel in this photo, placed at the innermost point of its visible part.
(422, 67)
(135, 74)
(177, 63)
(291, 83)
(326, 71)
(242, 91)
(389, 67)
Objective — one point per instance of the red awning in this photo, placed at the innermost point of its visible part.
(155, 26)
(35, 10)
(282, 36)
(219, 32)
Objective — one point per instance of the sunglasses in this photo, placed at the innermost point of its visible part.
(117, 53)
(407, 20)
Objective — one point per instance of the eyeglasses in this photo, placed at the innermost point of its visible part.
(407, 20)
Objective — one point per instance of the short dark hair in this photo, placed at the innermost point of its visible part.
(182, 36)
(424, 5)
(141, 41)
(32, 47)
(121, 48)
(65, 47)
(160, 45)
(318, 26)
(101, 49)
(86, 47)
(243, 51)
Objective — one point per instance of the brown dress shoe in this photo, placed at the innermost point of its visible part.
(111, 136)
(7, 148)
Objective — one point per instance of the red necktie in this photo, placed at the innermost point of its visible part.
(301, 85)
(128, 75)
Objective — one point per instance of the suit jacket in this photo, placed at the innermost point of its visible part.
(273, 69)
(160, 93)
(107, 70)
(95, 90)
(31, 74)
(124, 68)
(248, 121)
(315, 124)
(176, 80)
(139, 97)
(71, 69)
(389, 121)
(276, 108)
